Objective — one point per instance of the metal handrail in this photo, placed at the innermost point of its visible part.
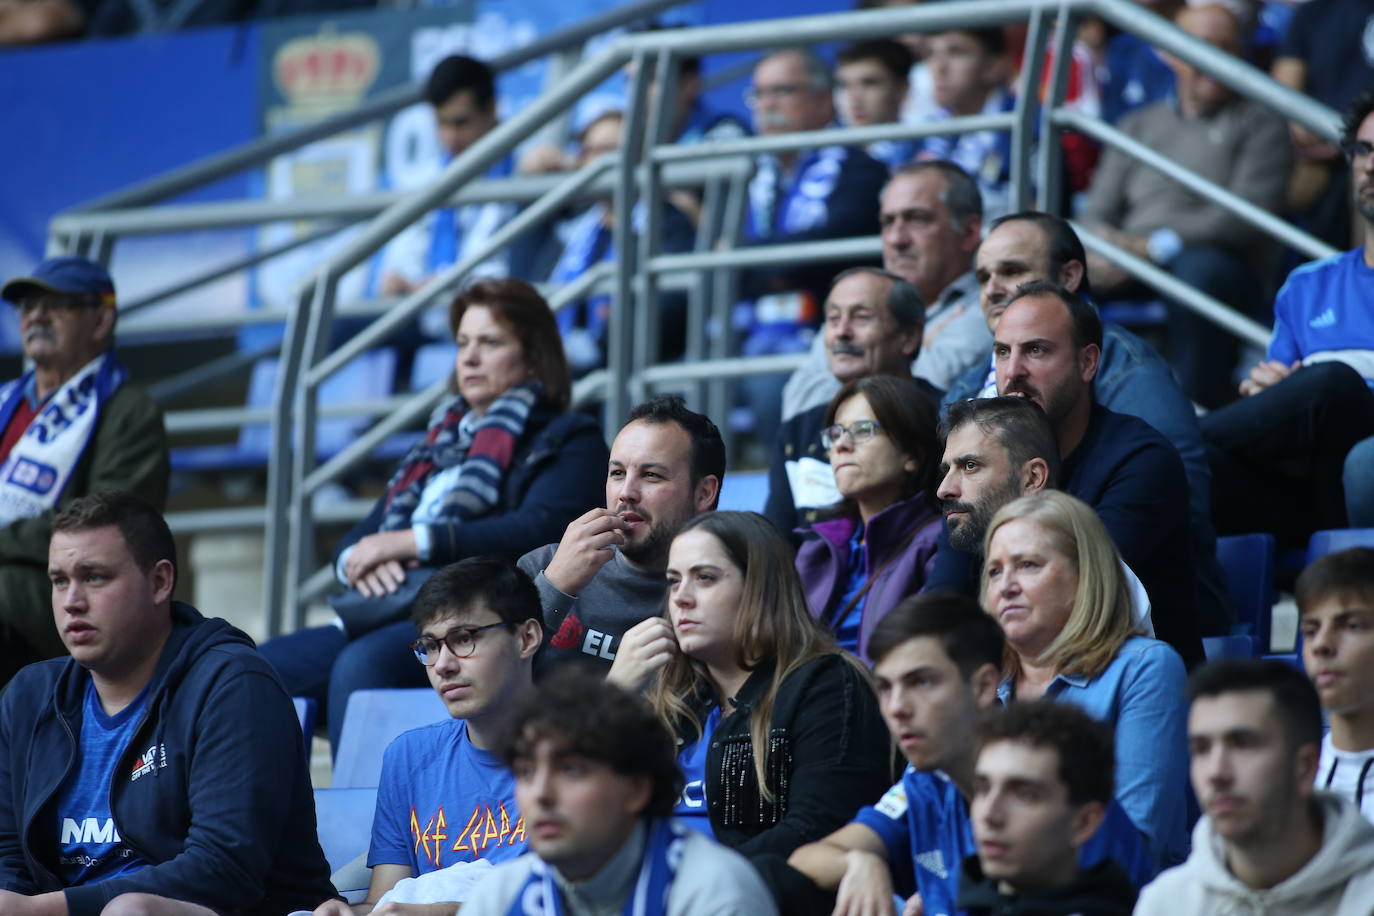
(260, 152)
(641, 270)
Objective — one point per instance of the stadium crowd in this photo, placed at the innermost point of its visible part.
(958, 665)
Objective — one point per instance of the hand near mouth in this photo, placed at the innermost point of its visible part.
(582, 552)
(644, 649)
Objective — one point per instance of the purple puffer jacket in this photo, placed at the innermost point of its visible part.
(823, 560)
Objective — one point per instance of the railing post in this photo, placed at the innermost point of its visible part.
(1049, 187)
(1027, 104)
(281, 575)
(659, 124)
(620, 332)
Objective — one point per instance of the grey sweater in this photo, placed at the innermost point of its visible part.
(1243, 147)
(588, 627)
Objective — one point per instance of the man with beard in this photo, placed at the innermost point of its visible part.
(1047, 348)
(607, 574)
(1131, 377)
(70, 426)
(1307, 411)
(996, 450)
(932, 218)
(873, 323)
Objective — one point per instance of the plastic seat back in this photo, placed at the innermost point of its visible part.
(372, 721)
(1247, 560)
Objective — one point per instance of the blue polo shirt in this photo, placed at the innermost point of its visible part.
(924, 820)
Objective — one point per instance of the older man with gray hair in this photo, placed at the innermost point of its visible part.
(931, 216)
(873, 325)
(800, 196)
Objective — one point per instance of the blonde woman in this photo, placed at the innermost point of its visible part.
(778, 730)
(1052, 579)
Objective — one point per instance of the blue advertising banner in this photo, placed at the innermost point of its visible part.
(92, 117)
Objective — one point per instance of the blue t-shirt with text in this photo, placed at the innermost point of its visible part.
(90, 848)
(441, 800)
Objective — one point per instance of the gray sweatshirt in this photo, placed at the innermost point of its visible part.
(589, 626)
(1337, 881)
(710, 881)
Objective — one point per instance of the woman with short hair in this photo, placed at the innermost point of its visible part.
(877, 545)
(503, 468)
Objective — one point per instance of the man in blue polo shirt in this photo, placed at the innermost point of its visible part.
(938, 661)
(1307, 412)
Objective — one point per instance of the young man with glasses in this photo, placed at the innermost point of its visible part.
(1303, 431)
(70, 426)
(445, 797)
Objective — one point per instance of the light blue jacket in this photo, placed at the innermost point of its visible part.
(1141, 694)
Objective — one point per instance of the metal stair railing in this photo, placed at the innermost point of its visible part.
(633, 340)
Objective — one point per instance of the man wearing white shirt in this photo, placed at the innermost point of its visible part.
(1336, 618)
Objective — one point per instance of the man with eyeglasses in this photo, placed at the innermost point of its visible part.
(873, 325)
(1302, 435)
(71, 425)
(445, 800)
(796, 196)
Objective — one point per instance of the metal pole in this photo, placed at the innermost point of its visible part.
(1027, 98)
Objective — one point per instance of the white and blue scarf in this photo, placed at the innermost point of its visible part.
(805, 202)
(541, 896)
(41, 463)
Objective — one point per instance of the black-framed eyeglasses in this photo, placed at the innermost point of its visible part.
(859, 432)
(461, 642)
(1357, 149)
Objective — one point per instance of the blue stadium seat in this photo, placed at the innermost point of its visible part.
(372, 720)
(432, 362)
(1247, 560)
(744, 490)
(343, 822)
(1218, 647)
(1337, 539)
(369, 377)
(1288, 658)
(305, 714)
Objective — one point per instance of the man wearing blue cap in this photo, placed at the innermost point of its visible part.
(69, 426)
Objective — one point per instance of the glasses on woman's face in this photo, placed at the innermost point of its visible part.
(461, 642)
(859, 432)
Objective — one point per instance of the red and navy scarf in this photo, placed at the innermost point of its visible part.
(485, 454)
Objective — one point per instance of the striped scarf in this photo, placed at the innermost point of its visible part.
(485, 455)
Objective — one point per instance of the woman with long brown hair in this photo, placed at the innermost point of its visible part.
(780, 731)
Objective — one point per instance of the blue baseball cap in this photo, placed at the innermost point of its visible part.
(67, 274)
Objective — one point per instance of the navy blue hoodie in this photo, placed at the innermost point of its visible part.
(213, 790)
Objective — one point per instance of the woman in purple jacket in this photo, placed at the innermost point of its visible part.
(875, 546)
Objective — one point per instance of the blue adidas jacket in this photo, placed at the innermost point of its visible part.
(225, 813)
